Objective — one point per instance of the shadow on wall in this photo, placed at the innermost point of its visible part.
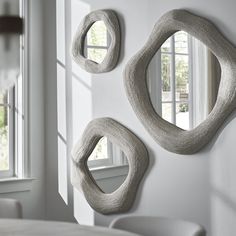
(223, 180)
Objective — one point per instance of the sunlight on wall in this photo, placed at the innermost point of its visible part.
(83, 213)
(81, 109)
(61, 103)
(61, 31)
(62, 133)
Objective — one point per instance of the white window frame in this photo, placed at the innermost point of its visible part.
(87, 46)
(18, 151)
(155, 84)
(23, 169)
(104, 161)
(115, 158)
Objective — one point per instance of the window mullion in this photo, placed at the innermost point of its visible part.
(85, 49)
(97, 47)
(173, 113)
(190, 79)
(11, 131)
(158, 83)
(108, 39)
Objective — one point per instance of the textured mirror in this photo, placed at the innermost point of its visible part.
(108, 165)
(183, 79)
(122, 198)
(170, 136)
(96, 44)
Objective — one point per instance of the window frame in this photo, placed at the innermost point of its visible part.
(115, 158)
(23, 167)
(88, 46)
(18, 110)
(172, 53)
(104, 161)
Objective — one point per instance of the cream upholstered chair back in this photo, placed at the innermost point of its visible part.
(153, 226)
(10, 208)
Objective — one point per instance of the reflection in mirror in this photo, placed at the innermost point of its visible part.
(97, 42)
(105, 160)
(183, 80)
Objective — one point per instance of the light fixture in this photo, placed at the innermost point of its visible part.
(11, 27)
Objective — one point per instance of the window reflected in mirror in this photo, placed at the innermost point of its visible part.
(184, 78)
(108, 160)
(4, 132)
(97, 42)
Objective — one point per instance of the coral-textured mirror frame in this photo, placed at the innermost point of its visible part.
(169, 136)
(113, 27)
(121, 200)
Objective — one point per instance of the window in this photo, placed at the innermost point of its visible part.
(176, 80)
(106, 154)
(97, 42)
(13, 114)
(184, 78)
(6, 133)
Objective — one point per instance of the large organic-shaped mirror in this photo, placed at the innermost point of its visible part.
(108, 165)
(122, 198)
(183, 80)
(96, 45)
(168, 135)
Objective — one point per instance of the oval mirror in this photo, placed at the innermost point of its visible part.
(108, 165)
(96, 44)
(183, 79)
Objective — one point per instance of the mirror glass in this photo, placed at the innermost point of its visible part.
(108, 165)
(183, 80)
(97, 42)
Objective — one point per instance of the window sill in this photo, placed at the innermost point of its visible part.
(13, 185)
(105, 172)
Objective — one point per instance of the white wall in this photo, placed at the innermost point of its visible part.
(198, 187)
(32, 194)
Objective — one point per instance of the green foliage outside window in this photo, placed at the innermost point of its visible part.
(4, 160)
(181, 66)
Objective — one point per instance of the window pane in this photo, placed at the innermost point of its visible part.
(181, 42)
(4, 147)
(182, 115)
(182, 77)
(167, 111)
(100, 151)
(1, 98)
(166, 46)
(96, 54)
(97, 34)
(165, 76)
